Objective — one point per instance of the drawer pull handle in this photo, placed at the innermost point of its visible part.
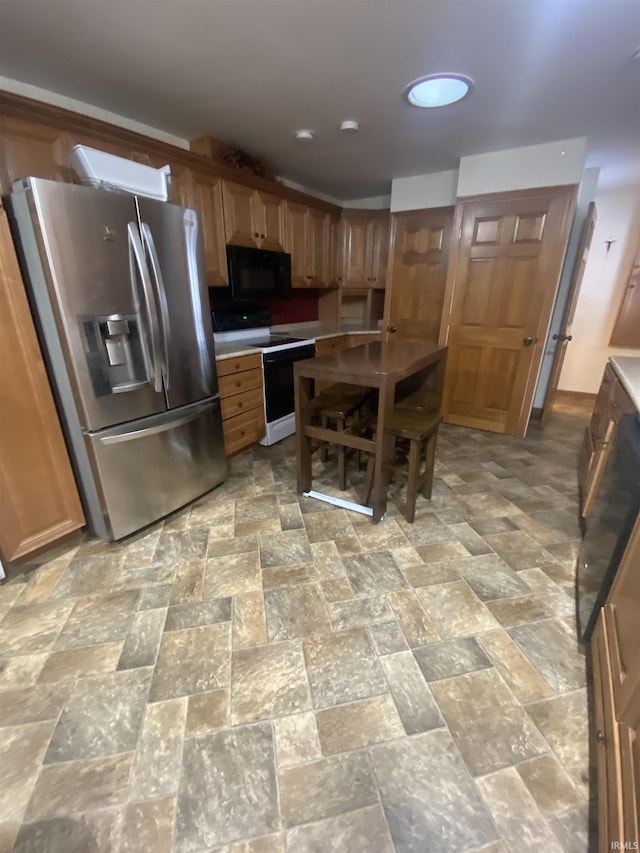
(601, 737)
(240, 405)
(241, 432)
(238, 384)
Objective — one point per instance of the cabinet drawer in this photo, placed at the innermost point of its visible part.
(621, 404)
(239, 403)
(225, 366)
(329, 345)
(243, 430)
(360, 340)
(238, 383)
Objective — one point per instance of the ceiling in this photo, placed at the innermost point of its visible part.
(252, 72)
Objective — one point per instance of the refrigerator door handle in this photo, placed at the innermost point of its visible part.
(150, 303)
(193, 415)
(147, 236)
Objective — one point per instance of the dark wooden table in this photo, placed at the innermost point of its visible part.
(398, 370)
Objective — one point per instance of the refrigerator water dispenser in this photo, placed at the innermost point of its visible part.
(115, 353)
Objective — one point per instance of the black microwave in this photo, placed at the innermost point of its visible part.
(258, 273)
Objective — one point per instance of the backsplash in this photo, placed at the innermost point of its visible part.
(299, 308)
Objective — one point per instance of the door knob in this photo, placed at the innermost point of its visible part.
(563, 338)
(392, 329)
(528, 341)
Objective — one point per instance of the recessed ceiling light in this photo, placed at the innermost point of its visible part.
(304, 135)
(438, 90)
(350, 126)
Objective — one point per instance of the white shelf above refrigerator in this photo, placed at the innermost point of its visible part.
(106, 171)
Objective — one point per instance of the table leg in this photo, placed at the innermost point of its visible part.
(303, 395)
(384, 447)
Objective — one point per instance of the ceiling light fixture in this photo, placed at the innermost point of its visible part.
(438, 90)
(350, 126)
(304, 135)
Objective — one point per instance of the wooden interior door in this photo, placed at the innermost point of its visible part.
(420, 242)
(501, 288)
(563, 339)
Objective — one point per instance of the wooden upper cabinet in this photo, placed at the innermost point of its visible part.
(203, 192)
(626, 332)
(365, 249)
(39, 501)
(297, 230)
(380, 252)
(253, 218)
(309, 240)
(32, 150)
(269, 219)
(319, 248)
(240, 224)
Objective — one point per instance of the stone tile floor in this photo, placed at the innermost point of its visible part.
(263, 672)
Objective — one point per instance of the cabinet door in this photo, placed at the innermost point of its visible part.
(203, 192)
(380, 252)
(240, 225)
(271, 219)
(607, 747)
(28, 149)
(319, 248)
(357, 239)
(297, 237)
(182, 186)
(39, 502)
(208, 201)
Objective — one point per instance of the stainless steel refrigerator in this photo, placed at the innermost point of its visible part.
(117, 290)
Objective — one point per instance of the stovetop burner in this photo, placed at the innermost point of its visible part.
(274, 340)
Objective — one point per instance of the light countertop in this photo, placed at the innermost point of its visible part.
(627, 369)
(312, 329)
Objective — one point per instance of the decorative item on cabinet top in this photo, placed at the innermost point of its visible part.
(228, 154)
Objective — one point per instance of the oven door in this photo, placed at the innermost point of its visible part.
(278, 380)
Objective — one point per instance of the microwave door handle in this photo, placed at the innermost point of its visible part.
(161, 294)
(135, 246)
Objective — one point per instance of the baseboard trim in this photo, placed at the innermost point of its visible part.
(573, 396)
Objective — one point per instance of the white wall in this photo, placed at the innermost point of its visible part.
(375, 202)
(549, 165)
(423, 191)
(603, 284)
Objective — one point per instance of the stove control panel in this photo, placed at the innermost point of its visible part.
(233, 319)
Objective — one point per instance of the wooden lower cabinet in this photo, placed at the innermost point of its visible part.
(39, 501)
(241, 401)
(361, 339)
(615, 649)
(612, 403)
(325, 346)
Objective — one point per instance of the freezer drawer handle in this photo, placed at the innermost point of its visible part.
(150, 303)
(129, 386)
(154, 430)
(162, 297)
